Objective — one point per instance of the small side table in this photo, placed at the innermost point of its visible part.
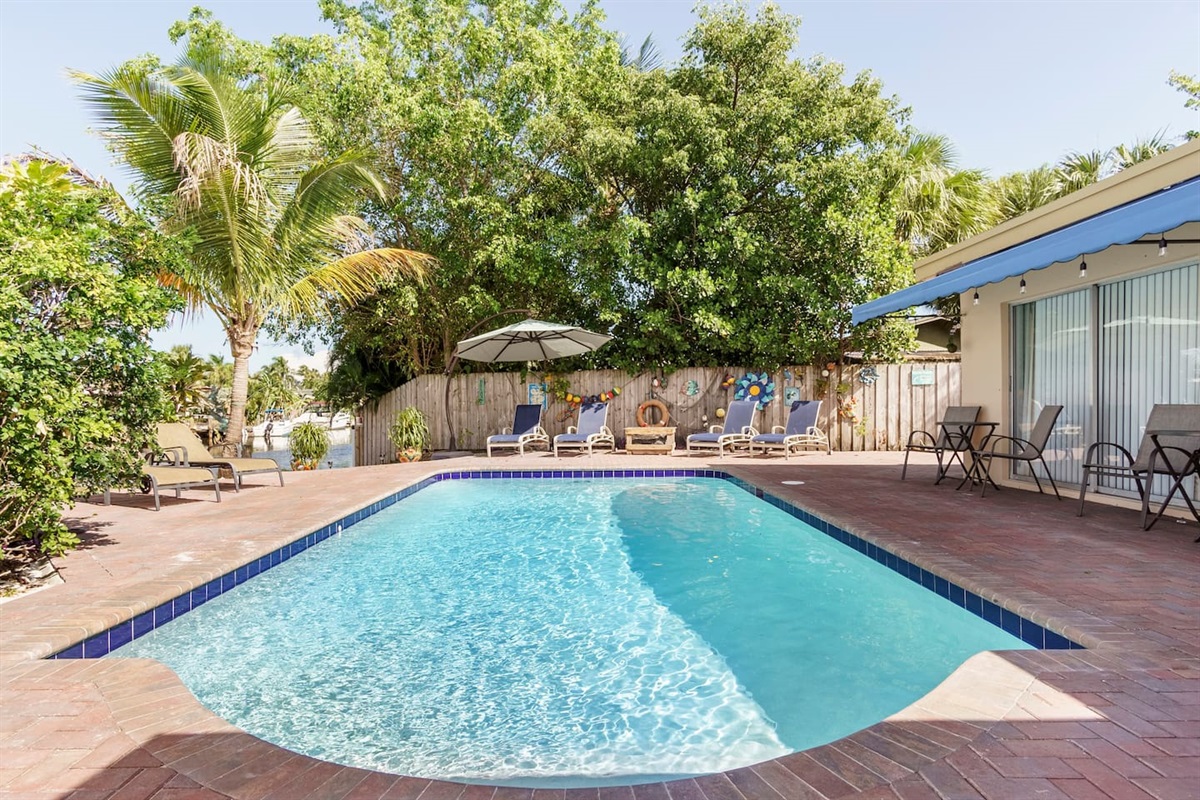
(654, 439)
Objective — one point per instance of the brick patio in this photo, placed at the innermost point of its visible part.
(1118, 720)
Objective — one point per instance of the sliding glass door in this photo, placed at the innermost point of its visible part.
(1106, 354)
(1149, 346)
(1052, 354)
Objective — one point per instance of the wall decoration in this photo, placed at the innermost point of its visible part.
(481, 396)
(922, 377)
(537, 394)
(755, 386)
(691, 389)
(791, 394)
(868, 375)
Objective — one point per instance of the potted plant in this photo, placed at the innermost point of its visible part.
(310, 443)
(409, 434)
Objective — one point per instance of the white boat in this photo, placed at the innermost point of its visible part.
(279, 427)
(282, 427)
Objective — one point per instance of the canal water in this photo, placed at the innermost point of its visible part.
(341, 449)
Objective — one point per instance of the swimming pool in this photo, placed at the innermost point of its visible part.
(569, 632)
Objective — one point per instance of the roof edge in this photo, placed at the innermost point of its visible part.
(1174, 166)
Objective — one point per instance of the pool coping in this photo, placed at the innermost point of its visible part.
(1039, 635)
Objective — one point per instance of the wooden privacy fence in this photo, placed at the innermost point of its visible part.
(858, 414)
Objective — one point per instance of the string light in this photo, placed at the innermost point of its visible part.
(1022, 286)
(1162, 246)
(975, 299)
(1082, 268)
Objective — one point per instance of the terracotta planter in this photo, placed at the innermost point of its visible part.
(408, 455)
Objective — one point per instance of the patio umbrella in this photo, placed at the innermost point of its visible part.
(531, 340)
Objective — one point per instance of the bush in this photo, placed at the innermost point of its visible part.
(79, 386)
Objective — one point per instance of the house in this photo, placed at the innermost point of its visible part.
(1091, 302)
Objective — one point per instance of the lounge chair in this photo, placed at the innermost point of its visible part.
(183, 448)
(737, 430)
(800, 432)
(956, 442)
(1176, 450)
(1027, 450)
(526, 430)
(177, 478)
(592, 430)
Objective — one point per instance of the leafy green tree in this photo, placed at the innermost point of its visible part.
(79, 386)
(469, 108)
(231, 162)
(1190, 86)
(756, 196)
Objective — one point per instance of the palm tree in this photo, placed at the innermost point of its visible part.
(219, 374)
(234, 160)
(1021, 192)
(1142, 149)
(1077, 170)
(273, 386)
(185, 379)
(939, 204)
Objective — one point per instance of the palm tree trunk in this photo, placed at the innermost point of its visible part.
(241, 345)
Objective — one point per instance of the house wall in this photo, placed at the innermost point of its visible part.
(986, 334)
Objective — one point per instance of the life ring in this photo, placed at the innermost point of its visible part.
(662, 411)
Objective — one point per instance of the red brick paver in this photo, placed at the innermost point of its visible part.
(1118, 720)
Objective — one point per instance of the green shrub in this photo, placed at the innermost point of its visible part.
(310, 443)
(80, 389)
(409, 430)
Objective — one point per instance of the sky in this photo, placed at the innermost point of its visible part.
(1013, 84)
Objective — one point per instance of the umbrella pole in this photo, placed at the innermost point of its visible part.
(454, 360)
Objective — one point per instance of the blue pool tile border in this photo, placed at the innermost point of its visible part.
(122, 633)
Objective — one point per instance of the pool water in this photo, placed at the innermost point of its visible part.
(569, 633)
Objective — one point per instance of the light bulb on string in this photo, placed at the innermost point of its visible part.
(1082, 268)
(1022, 286)
(975, 299)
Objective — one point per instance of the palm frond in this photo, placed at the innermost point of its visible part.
(140, 115)
(352, 278)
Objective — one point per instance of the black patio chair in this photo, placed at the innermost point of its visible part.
(1027, 450)
(1175, 450)
(941, 443)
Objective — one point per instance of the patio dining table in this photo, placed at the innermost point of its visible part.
(961, 436)
(1177, 476)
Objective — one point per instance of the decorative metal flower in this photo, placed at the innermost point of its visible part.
(868, 375)
(754, 386)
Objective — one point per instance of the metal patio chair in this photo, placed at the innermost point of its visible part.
(943, 442)
(1027, 450)
(1176, 451)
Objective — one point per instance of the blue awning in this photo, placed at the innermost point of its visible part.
(1153, 214)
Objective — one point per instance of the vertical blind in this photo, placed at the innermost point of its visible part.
(1149, 348)
(1052, 366)
(1141, 348)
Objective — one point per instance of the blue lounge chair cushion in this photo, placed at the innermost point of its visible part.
(769, 438)
(572, 437)
(505, 437)
(705, 437)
